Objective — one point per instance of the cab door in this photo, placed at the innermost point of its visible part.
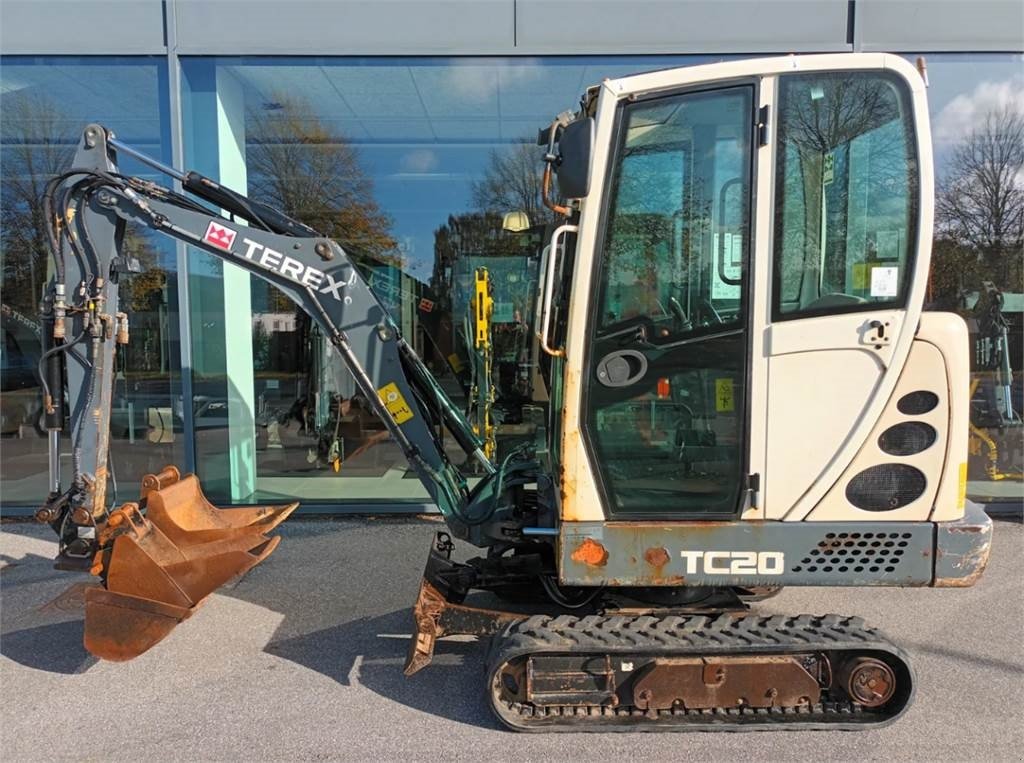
(665, 375)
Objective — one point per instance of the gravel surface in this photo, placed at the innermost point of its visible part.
(302, 658)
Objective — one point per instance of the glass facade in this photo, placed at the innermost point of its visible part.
(977, 110)
(413, 165)
(426, 168)
(45, 102)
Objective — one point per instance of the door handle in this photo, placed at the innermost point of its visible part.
(622, 368)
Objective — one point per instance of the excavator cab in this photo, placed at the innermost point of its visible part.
(745, 394)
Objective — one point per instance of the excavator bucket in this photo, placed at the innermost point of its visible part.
(160, 558)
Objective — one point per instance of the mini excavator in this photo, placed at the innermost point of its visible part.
(744, 395)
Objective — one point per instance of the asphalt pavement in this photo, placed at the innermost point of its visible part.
(302, 660)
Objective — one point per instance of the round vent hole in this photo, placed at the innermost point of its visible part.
(916, 403)
(886, 487)
(907, 438)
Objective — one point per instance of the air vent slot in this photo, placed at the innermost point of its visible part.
(916, 403)
(907, 438)
(868, 553)
(886, 487)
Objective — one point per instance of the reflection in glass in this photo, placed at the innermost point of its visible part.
(42, 110)
(430, 154)
(847, 193)
(977, 270)
(666, 412)
(414, 165)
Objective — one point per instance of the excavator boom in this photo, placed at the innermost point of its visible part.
(158, 558)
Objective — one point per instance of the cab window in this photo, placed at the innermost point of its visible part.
(677, 229)
(846, 193)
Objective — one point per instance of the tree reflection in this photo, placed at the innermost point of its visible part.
(511, 182)
(848, 178)
(296, 163)
(980, 209)
(38, 144)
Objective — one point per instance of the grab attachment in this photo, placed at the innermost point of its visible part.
(160, 558)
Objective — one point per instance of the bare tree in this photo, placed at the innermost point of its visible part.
(296, 163)
(980, 204)
(853, 107)
(38, 146)
(512, 183)
(42, 145)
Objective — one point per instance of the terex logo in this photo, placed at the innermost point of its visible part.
(219, 236)
(734, 562)
(271, 259)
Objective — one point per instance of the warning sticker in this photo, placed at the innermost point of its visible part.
(395, 403)
(859, 276)
(724, 401)
(885, 282)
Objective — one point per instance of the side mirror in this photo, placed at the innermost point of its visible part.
(574, 149)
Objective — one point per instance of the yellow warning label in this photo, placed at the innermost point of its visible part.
(860, 272)
(395, 403)
(961, 493)
(724, 401)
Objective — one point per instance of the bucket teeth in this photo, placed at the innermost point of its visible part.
(157, 570)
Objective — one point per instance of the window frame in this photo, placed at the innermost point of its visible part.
(914, 219)
(595, 325)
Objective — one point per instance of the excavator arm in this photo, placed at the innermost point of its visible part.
(160, 557)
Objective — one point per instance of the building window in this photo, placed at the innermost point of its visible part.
(44, 106)
(977, 113)
(412, 165)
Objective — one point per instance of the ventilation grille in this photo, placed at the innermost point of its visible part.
(907, 438)
(916, 403)
(886, 487)
(868, 553)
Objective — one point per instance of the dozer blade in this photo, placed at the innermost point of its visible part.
(158, 568)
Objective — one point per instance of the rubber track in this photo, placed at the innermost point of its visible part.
(691, 636)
